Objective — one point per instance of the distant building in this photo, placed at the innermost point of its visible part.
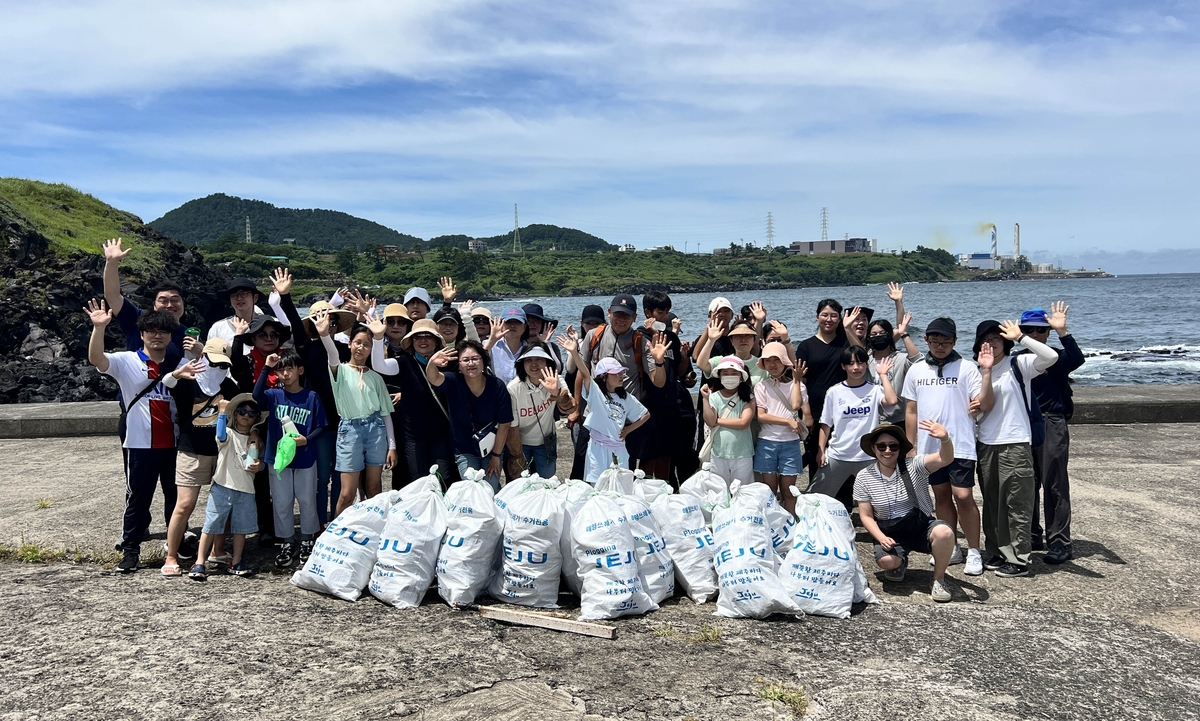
(661, 247)
(1044, 268)
(280, 258)
(627, 248)
(388, 250)
(828, 247)
(980, 261)
(289, 241)
(720, 251)
(475, 245)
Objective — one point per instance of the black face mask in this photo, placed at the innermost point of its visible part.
(879, 342)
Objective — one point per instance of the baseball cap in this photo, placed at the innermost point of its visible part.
(1035, 318)
(624, 303)
(592, 314)
(241, 284)
(513, 312)
(718, 303)
(217, 350)
(942, 326)
(608, 365)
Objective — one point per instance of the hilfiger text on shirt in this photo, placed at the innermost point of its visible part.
(949, 381)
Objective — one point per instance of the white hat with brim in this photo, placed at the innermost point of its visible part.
(536, 352)
(732, 363)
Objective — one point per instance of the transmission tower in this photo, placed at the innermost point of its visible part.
(516, 232)
(770, 232)
(247, 229)
(824, 224)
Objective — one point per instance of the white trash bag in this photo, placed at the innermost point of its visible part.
(690, 543)
(745, 561)
(710, 488)
(779, 520)
(473, 528)
(530, 561)
(606, 554)
(344, 554)
(573, 494)
(839, 517)
(654, 560)
(408, 552)
(616, 479)
(820, 570)
(650, 488)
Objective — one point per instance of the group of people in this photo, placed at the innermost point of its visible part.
(275, 411)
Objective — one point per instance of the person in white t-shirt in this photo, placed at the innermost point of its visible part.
(1006, 477)
(943, 387)
(150, 422)
(535, 393)
(852, 408)
(612, 412)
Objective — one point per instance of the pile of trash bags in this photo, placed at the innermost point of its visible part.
(621, 546)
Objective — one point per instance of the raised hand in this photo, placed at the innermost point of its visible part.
(550, 380)
(759, 311)
(800, 369)
(986, 359)
(442, 358)
(1057, 317)
(934, 429)
(497, 329)
(715, 330)
(883, 366)
(676, 325)
(903, 327)
(188, 371)
(781, 330)
(852, 317)
(464, 309)
(353, 300)
(658, 348)
(113, 251)
(1010, 330)
(705, 391)
(98, 312)
(320, 321)
(282, 280)
(569, 340)
(239, 326)
(895, 292)
(272, 360)
(449, 290)
(377, 326)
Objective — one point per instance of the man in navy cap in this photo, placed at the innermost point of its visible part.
(1053, 392)
(644, 361)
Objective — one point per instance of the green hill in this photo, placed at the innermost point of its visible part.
(533, 237)
(206, 219)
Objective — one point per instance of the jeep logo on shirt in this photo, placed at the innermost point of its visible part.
(857, 411)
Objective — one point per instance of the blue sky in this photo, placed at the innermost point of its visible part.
(640, 122)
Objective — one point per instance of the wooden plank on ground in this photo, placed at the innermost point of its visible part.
(554, 623)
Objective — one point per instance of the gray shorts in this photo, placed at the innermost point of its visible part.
(831, 477)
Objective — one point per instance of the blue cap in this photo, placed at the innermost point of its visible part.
(513, 312)
(1035, 318)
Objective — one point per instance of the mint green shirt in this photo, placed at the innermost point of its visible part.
(730, 443)
(354, 402)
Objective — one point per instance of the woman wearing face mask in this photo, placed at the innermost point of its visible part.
(728, 413)
(535, 393)
(425, 430)
(880, 339)
(852, 409)
(366, 440)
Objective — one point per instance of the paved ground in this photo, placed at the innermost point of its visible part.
(1114, 634)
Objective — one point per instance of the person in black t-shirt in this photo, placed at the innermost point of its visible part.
(822, 354)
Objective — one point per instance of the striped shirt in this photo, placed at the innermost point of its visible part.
(888, 496)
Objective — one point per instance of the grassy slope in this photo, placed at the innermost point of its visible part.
(74, 221)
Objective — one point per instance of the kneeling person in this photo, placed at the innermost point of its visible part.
(894, 505)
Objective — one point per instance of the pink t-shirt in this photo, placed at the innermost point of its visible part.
(775, 399)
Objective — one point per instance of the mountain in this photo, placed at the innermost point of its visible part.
(205, 219)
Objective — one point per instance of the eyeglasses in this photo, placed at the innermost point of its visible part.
(887, 447)
(470, 360)
(267, 336)
(940, 343)
(170, 300)
(244, 411)
(829, 316)
(156, 332)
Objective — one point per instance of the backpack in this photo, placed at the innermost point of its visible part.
(595, 344)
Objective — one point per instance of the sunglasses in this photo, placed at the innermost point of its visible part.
(425, 336)
(220, 366)
(267, 336)
(887, 447)
(398, 321)
(244, 411)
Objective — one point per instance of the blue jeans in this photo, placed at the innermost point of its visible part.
(542, 459)
(468, 461)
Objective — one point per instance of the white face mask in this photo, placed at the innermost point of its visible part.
(731, 382)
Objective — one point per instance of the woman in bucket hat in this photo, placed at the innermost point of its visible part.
(536, 392)
(894, 504)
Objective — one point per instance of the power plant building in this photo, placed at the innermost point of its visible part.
(827, 247)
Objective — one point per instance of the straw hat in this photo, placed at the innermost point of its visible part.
(340, 321)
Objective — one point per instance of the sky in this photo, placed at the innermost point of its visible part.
(679, 123)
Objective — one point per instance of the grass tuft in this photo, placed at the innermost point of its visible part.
(789, 697)
(708, 633)
(665, 632)
(27, 552)
(45, 502)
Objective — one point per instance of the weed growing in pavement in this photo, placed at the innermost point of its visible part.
(665, 632)
(27, 552)
(789, 697)
(708, 633)
(45, 502)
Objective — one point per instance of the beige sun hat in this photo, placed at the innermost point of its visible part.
(340, 321)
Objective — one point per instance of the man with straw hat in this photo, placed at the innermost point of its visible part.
(894, 504)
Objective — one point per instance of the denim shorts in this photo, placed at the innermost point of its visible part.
(361, 442)
(226, 504)
(778, 457)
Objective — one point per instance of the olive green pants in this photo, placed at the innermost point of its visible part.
(1006, 481)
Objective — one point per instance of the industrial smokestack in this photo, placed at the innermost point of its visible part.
(994, 242)
(1016, 240)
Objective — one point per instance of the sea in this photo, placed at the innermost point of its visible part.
(1135, 329)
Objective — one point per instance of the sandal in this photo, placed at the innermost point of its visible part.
(171, 570)
(222, 560)
(197, 572)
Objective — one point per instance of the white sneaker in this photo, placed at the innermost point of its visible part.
(974, 565)
(939, 592)
(955, 558)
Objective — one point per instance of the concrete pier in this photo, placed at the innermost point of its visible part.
(1093, 404)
